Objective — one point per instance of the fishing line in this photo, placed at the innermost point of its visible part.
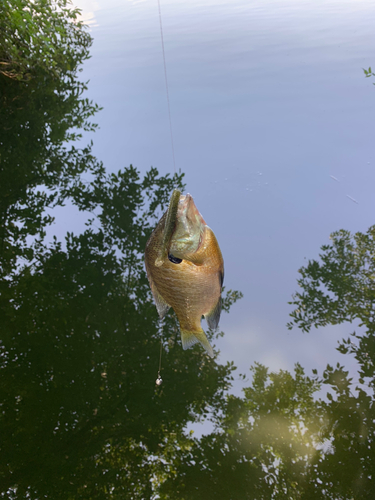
(159, 380)
(166, 86)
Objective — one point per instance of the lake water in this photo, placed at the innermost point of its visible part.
(273, 127)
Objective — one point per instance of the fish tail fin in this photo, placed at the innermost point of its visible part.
(191, 338)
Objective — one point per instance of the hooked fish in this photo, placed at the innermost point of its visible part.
(185, 269)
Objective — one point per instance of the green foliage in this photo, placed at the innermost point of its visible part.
(368, 73)
(80, 414)
(80, 348)
(349, 464)
(340, 288)
(262, 448)
(42, 46)
(230, 298)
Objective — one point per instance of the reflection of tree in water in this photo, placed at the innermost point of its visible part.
(81, 344)
(80, 414)
(80, 336)
(279, 441)
(341, 288)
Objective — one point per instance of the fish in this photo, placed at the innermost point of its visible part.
(185, 269)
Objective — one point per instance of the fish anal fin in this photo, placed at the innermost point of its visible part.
(191, 338)
(213, 316)
(188, 339)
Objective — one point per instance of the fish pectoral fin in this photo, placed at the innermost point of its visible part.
(191, 338)
(213, 316)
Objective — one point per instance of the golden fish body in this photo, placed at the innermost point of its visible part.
(185, 269)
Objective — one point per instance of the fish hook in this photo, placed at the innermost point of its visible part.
(159, 380)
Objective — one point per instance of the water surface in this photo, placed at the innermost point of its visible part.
(269, 103)
(273, 126)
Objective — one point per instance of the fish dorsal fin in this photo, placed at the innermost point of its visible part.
(213, 316)
(191, 338)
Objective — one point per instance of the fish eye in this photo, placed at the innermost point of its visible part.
(174, 259)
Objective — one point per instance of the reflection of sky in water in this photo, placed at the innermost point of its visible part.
(273, 126)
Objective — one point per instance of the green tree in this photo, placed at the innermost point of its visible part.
(43, 111)
(284, 439)
(338, 288)
(341, 288)
(81, 414)
(263, 446)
